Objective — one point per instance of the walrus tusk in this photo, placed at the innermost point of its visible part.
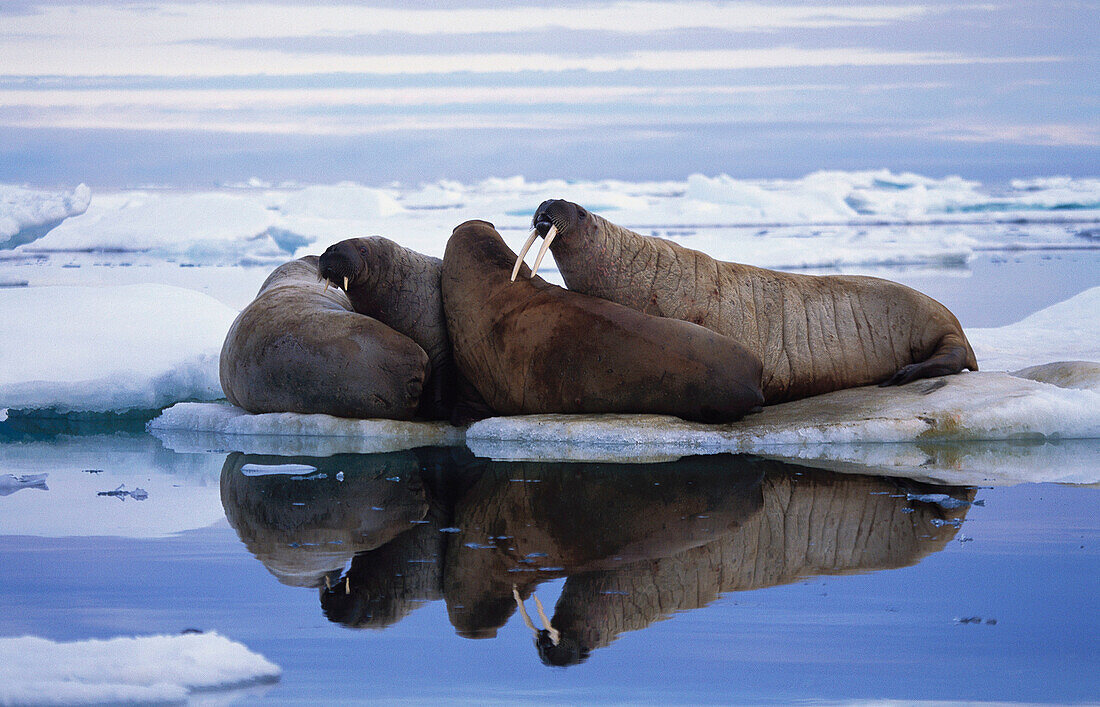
(523, 611)
(347, 585)
(555, 635)
(327, 283)
(345, 284)
(545, 247)
(523, 251)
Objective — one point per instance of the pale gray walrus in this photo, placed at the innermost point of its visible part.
(300, 347)
(533, 347)
(814, 334)
(401, 288)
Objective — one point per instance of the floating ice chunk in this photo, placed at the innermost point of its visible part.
(277, 469)
(27, 215)
(109, 349)
(1069, 330)
(143, 669)
(205, 426)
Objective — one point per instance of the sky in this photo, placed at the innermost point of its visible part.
(183, 93)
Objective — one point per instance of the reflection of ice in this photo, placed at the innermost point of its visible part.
(130, 670)
(10, 483)
(178, 492)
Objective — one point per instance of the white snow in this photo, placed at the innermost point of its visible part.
(1068, 330)
(109, 348)
(139, 669)
(224, 427)
(25, 214)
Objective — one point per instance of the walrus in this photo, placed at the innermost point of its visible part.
(533, 347)
(300, 347)
(814, 334)
(400, 288)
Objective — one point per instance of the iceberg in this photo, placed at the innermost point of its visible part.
(27, 214)
(139, 669)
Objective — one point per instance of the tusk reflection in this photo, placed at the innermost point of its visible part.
(523, 611)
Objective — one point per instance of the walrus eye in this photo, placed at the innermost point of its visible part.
(581, 213)
(363, 249)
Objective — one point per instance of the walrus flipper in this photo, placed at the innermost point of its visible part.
(952, 356)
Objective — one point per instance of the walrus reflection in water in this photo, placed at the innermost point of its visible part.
(814, 334)
(777, 525)
(635, 543)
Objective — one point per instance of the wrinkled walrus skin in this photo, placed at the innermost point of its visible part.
(400, 288)
(814, 334)
(532, 347)
(299, 347)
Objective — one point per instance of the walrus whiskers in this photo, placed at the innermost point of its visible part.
(523, 251)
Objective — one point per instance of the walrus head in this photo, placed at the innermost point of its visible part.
(345, 263)
(552, 218)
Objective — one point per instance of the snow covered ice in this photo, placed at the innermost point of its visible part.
(139, 669)
(26, 214)
(109, 349)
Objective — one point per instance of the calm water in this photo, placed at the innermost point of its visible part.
(711, 579)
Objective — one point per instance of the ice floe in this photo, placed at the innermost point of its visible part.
(913, 430)
(126, 670)
(29, 214)
(109, 349)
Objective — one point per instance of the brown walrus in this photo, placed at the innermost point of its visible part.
(814, 334)
(534, 347)
(300, 347)
(400, 288)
